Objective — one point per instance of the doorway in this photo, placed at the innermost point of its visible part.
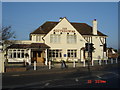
(38, 56)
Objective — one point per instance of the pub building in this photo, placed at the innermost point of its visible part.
(61, 40)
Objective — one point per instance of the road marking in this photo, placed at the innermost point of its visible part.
(76, 79)
(15, 75)
(46, 84)
(99, 76)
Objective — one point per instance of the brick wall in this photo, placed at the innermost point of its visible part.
(15, 69)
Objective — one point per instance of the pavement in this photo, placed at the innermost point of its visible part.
(56, 68)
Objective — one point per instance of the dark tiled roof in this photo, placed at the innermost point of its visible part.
(45, 28)
(39, 45)
(85, 29)
(33, 45)
(19, 46)
(82, 28)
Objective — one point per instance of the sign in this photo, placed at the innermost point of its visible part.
(64, 30)
(65, 55)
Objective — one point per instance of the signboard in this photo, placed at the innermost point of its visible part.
(65, 55)
(63, 30)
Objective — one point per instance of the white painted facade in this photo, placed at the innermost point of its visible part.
(64, 24)
(63, 45)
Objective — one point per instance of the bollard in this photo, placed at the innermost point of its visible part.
(105, 61)
(74, 64)
(92, 63)
(116, 60)
(34, 65)
(49, 64)
(111, 60)
(84, 63)
(99, 62)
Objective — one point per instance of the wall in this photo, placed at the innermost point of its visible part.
(63, 44)
(1, 62)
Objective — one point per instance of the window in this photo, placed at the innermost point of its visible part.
(10, 53)
(16, 53)
(55, 53)
(55, 38)
(38, 38)
(71, 39)
(22, 53)
(72, 53)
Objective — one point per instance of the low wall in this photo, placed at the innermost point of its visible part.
(15, 69)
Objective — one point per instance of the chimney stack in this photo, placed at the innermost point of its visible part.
(60, 18)
(94, 32)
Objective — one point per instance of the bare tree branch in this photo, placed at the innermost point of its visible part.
(7, 33)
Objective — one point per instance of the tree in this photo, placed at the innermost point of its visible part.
(7, 33)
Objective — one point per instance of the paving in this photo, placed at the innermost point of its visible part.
(56, 68)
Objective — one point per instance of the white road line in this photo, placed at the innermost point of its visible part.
(99, 76)
(76, 79)
(46, 84)
(15, 75)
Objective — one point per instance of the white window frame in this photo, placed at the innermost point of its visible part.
(72, 52)
(57, 53)
(71, 39)
(55, 38)
(16, 51)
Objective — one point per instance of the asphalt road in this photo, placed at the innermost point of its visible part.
(107, 77)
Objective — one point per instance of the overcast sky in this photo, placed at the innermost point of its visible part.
(25, 17)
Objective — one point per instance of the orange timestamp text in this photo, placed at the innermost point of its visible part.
(96, 81)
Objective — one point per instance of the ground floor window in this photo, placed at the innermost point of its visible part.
(72, 53)
(55, 53)
(20, 53)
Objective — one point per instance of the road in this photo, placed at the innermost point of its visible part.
(66, 78)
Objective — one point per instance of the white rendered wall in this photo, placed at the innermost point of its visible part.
(1, 62)
(98, 48)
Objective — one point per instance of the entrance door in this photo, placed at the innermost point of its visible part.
(38, 56)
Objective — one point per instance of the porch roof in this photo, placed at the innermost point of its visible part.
(32, 45)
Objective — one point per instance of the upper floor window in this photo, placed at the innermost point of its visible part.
(38, 38)
(55, 38)
(71, 38)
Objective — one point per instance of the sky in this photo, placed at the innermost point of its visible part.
(25, 17)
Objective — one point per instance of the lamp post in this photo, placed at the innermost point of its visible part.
(116, 60)
(84, 63)
(49, 64)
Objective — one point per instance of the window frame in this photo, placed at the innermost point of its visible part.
(55, 38)
(72, 53)
(71, 39)
(55, 53)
